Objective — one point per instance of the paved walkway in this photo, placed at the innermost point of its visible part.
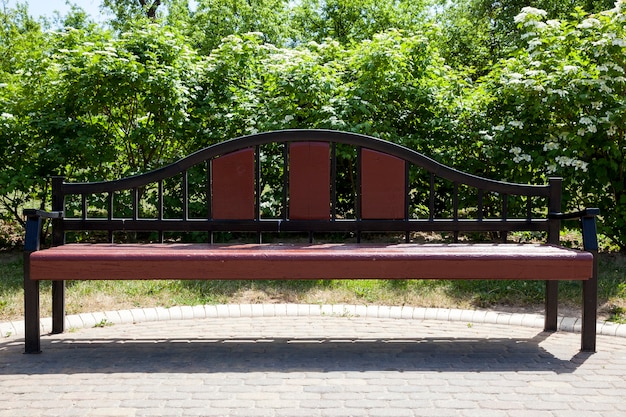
(312, 361)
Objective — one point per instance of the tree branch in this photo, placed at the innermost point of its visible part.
(151, 13)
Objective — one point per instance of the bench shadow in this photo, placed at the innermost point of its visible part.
(115, 355)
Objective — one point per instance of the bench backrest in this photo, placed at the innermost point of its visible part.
(310, 181)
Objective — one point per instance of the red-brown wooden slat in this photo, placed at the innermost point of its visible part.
(383, 186)
(233, 186)
(320, 261)
(309, 181)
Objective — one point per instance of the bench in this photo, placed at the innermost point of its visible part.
(305, 204)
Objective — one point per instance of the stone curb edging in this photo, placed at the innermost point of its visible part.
(138, 315)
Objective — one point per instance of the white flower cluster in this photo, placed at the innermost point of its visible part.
(589, 126)
(619, 42)
(533, 43)
(551, 146)
(486, 136)
(589, 23)
(558, 91)
(519, 156)
(610, 65)
(570, 69)
(536, 24)
(612, 130)
(554, 23)
(5, 119)
(529, 13)
(515, 77)
(566, 161)
(585, 120)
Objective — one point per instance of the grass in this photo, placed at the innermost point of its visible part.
(91, 296)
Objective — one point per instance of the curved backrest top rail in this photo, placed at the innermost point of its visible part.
(308, 135)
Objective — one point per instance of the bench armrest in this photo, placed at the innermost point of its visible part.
(588, 221)
(43, 214)
(588, 212)
(34, 217)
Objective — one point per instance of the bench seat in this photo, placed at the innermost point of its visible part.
(310, 261)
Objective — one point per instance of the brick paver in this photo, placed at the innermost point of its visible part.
(285, 361)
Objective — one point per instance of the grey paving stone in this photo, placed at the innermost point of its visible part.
(292, 360)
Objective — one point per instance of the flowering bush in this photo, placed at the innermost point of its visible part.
(558, 107)
(11, 235)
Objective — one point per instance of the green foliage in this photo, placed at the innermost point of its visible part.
(130, 94)
(478, 33)
(22, 47)
(126, 12)
(90, 105)
(388, 86)
(354, 20)
(214, 20)
(558, 109)
(487, 90)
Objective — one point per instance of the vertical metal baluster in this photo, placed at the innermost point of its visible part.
(455, 201)
(333, 182)
(285, 196)
(480, 205)
(431, 198)
(110, 214)
(407, 201)
(110, 202)
(83, 203)
(135, 198)
(161, 211)
(505, 209)
(257, 199)
(209, 198)
(185, 195)
(358, 193)
(455, 209)
(529, 208)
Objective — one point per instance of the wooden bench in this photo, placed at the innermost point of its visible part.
(325, 201)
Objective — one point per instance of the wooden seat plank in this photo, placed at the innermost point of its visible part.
(320, 261)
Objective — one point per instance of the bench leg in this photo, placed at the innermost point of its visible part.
(590, 310)
(551, 306)
(32, 329)
(58, 307)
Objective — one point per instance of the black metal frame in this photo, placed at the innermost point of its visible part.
(548, 222)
